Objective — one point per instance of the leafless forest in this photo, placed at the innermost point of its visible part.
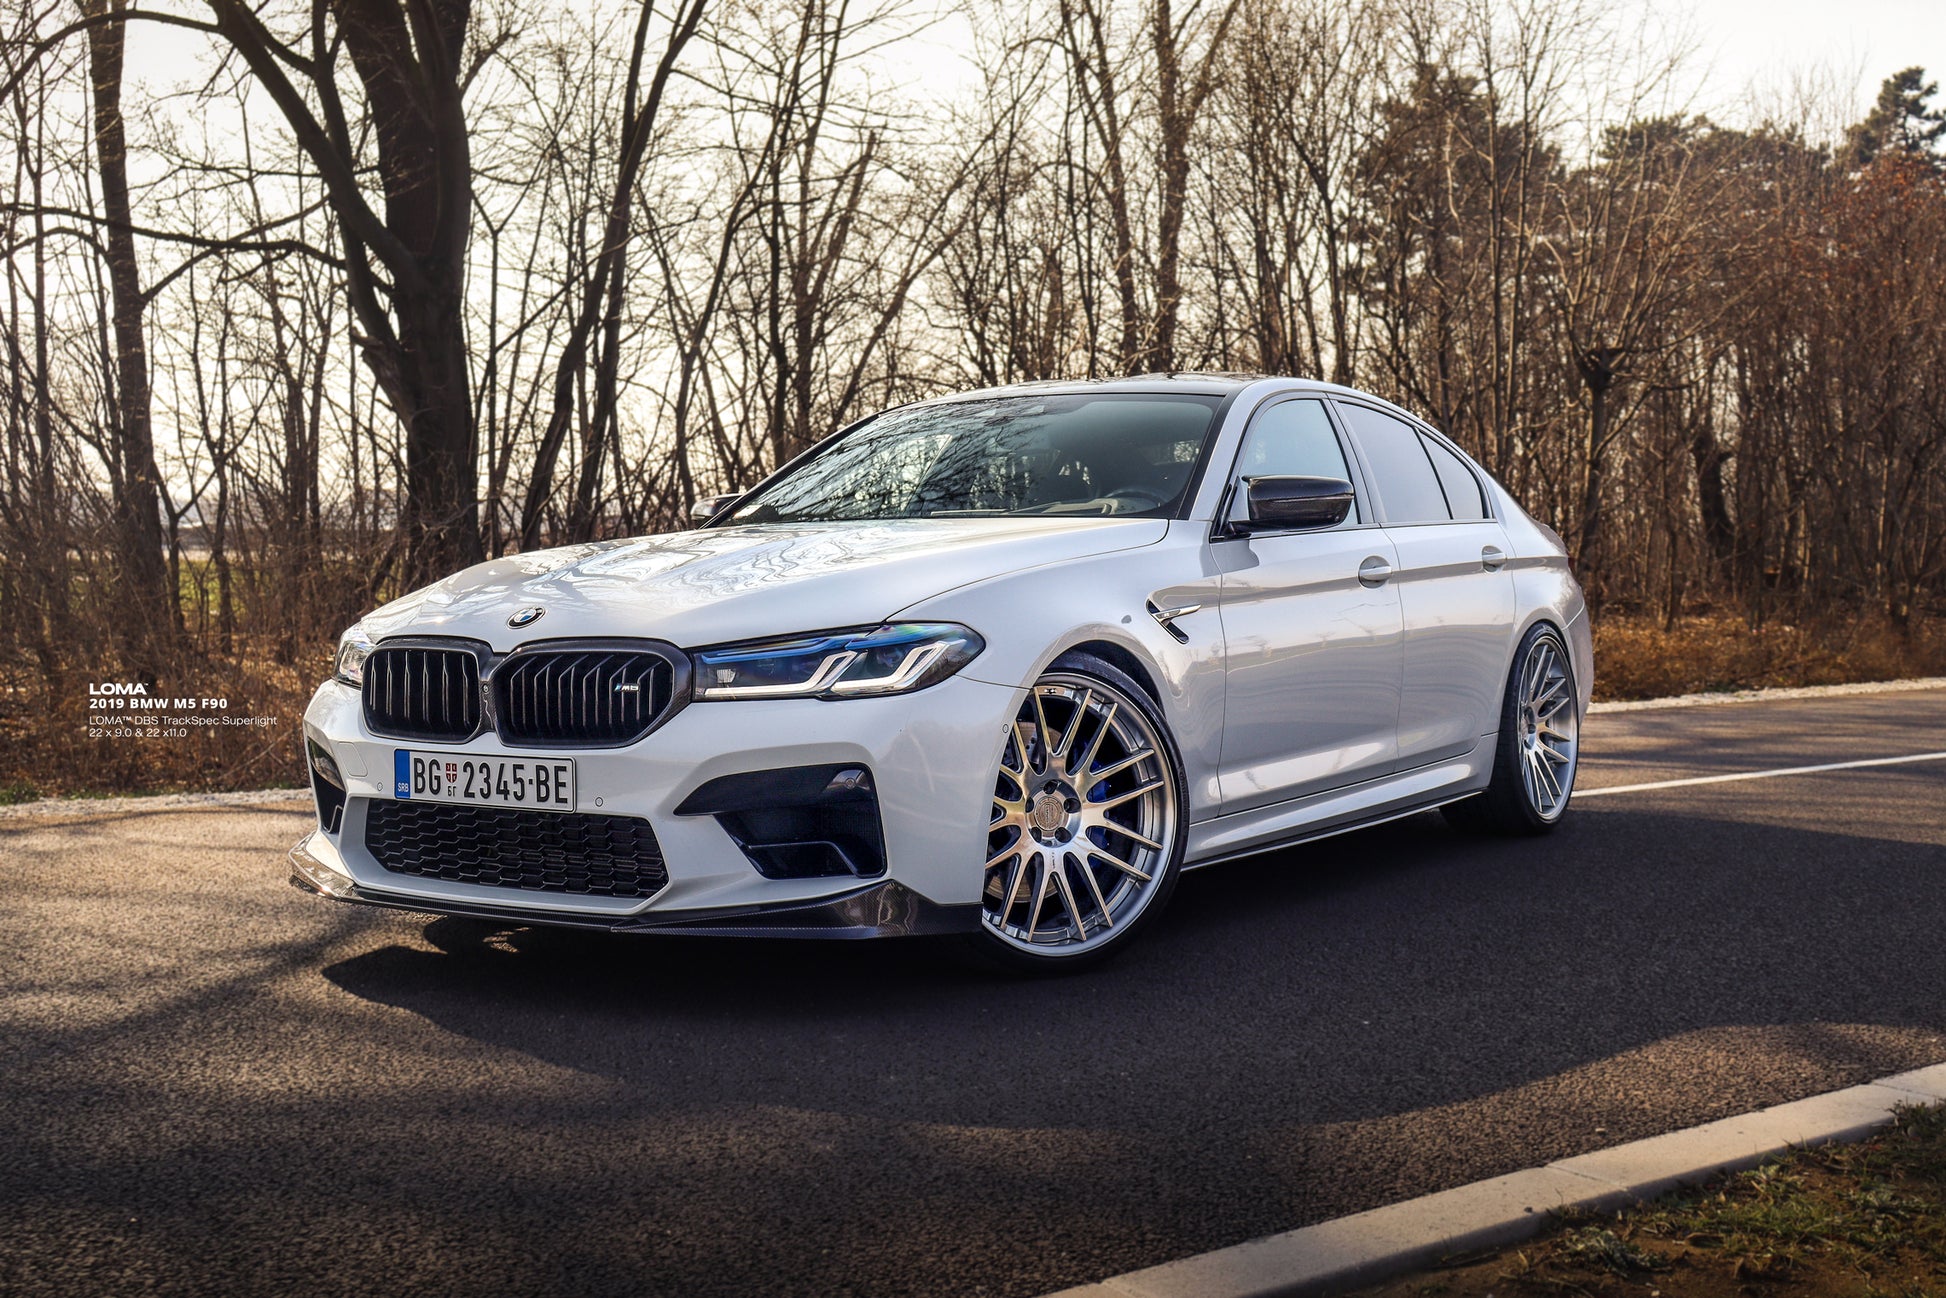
(308, 303)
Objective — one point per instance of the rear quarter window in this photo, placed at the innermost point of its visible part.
(1408, 486)
(1462, 488)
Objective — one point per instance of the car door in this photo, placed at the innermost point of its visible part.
(1455, 591)
(1311, 625)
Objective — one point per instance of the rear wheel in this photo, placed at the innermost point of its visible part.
(1539, 745)
(1087, 829)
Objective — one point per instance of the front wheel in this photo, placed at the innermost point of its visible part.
(1538, 748)
(1087, 831)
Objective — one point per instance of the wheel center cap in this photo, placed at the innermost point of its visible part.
(1050, 812)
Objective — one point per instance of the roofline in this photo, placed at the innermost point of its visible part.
(1248, 390)
(1188, 382)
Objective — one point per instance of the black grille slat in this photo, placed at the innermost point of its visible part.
(419, 693)
(581, 697)
(499, 847)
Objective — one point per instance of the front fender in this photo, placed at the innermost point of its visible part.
(1030, 618)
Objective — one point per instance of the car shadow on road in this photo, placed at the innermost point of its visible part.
(1377, 973)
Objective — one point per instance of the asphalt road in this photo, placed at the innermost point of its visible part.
(210, 1083)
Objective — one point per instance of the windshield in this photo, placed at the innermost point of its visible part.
(1082, 454)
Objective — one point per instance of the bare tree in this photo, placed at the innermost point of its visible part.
(1178, 55)
(602, 289)
(1635, 239)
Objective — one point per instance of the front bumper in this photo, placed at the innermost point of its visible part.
(931, 756)
(883, 909)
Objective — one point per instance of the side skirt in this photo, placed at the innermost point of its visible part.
(1304, 820)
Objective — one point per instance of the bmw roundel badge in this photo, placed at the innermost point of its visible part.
(527, 617)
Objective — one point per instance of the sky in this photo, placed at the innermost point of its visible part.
(1847, 46)
(1859, 42)
(1740, 48)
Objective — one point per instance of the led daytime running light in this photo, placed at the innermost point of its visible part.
(893, 659)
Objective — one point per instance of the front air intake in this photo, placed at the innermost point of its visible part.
(801, 822)
(327, 786)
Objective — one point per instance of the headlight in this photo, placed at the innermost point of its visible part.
(353, 650)
(895, 659)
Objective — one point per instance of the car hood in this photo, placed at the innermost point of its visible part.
(737, 583)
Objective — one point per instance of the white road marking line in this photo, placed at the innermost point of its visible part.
(1758, 775)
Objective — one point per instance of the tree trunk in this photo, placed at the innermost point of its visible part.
(1587, 559)
(1712, 500)
(442, 514)
(147, 600)
(1177, 117)
(219, 555)
(1898, 607)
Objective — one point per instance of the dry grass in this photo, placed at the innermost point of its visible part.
(1636, 659)
(49, 748)
(1858, 1221)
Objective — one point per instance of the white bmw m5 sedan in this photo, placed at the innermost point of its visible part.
(1001, 664)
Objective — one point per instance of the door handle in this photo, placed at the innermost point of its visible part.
(1374, 571)
(1491, 557)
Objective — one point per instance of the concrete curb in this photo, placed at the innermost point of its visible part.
(1371, 1247)
(1772, 695)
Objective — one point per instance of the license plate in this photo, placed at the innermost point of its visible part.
(483, 780)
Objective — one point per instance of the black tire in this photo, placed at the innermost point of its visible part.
(1505, 806)
(993, 951)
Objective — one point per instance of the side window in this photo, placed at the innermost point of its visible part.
(1290, 439)
(1407, 485)
(1462, 488)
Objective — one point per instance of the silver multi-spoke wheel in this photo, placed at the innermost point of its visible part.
(1549, 729)
(1084, 819)
(1535, 752)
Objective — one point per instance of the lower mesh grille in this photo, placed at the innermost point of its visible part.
(596, 856)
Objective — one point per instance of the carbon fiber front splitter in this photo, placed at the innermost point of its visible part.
(884, 909)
